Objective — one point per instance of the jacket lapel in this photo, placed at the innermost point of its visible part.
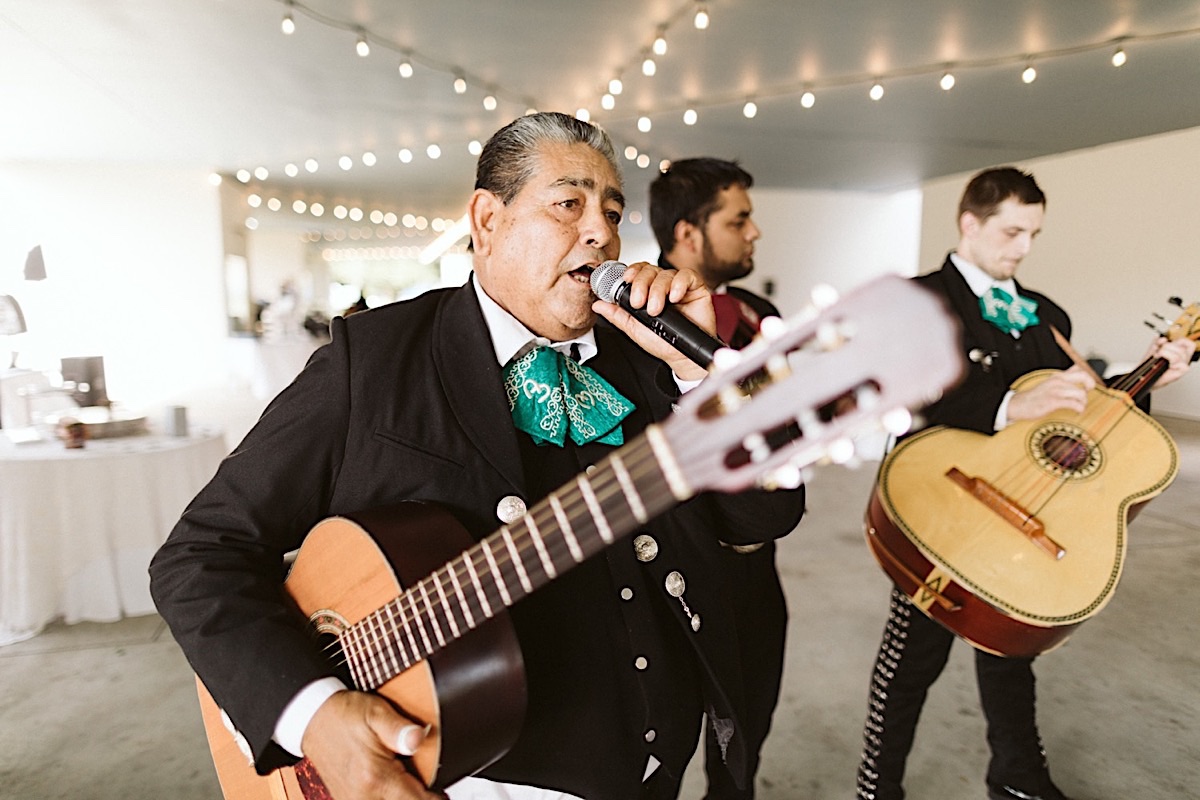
(474, 384)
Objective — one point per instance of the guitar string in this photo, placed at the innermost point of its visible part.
(1098, 427)
(1034, 490)
(558, 543)
(365, 647)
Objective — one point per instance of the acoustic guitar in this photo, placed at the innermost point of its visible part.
(1012, 540)
(434, 639)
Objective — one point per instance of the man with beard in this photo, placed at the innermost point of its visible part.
(700, 211)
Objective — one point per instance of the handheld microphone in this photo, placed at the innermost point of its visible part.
(671, 325)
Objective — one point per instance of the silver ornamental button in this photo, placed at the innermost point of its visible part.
(675, 584)
(650, 735)
(645, 547)
(626, 593)
(510, 509)
(640, 662)
(696, 622)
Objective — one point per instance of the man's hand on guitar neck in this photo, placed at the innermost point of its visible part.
(353, 740)
(1177, 353)
(1063, 390)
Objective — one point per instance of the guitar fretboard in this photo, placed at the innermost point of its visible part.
(574, 523)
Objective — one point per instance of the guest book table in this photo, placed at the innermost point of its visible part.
(78, 527)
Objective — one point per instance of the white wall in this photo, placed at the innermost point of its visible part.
(808, 238)
(133, 262)
(838, 238)
(1122, 234)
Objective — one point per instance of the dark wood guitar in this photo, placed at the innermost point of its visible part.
(1012, 540)
(434, 639)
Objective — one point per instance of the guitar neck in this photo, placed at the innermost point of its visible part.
(580, 519)
(1142, 378)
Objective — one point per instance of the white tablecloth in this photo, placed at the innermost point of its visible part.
(78, 527)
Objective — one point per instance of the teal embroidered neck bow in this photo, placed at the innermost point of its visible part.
(550, 396)
(1006, 313)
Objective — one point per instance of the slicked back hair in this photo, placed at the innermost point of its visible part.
(688, 191)
(988, 189)
(509, 158)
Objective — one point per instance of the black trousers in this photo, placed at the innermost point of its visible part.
(912, 654)
(760, 611)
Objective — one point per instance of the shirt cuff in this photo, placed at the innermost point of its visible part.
(686, 386)
(1001, 421)
(293, 722)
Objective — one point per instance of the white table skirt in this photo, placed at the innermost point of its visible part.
(78, 527)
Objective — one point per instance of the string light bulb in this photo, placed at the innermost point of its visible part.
(406, 69)
(649, 67)
(876, 91)
(489, 103)
(689, 117)
(1119, 58)
(947, 82)
(288, 24)
(808, 99)
(660, 42)
(460, 85)
(644, 124)
(615, 86)
(1029, 75)
(608, 102)
(750, 109)
(361, 47)
(701, 18)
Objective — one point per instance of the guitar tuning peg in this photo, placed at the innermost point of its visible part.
(772, 327)
(787, 476)
(824, 295)
(1176, 301)
(726, 358)
(841, 451)
(898, 421)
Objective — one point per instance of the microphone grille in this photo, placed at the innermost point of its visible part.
(605, 279)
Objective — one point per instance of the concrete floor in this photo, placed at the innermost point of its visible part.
(109, 711)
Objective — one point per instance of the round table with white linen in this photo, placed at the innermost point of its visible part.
(78, 526)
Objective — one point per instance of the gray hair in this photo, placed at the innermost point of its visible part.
(509, 158)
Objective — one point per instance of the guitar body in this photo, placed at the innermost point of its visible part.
(966, 566)
(348, 568)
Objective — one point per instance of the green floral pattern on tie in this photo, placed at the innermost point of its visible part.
(1006, 313)
(551, 397)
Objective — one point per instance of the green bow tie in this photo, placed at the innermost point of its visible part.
(551, 395)
(1007, 314)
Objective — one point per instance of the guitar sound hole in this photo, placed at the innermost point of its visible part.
(1065, 450)
(1069, 454)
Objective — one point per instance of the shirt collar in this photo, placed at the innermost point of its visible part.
(978, 280)
(510, 337)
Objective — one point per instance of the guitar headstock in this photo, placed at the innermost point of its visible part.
(1187, 324)
(809, 384)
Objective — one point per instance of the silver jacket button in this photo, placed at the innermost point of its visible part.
(645, 548)
(510, 509)
(675, 584)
